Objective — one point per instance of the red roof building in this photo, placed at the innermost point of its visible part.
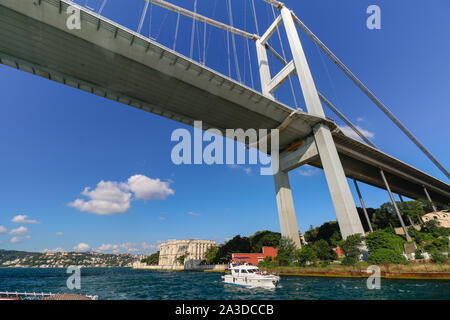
(255, 258)
(339, 252)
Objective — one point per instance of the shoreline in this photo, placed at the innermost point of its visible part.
(418, 271)
(385, 275)
(342, 274)
(299, 272)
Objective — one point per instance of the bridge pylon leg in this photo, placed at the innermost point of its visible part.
(344, 205)
(286, 210)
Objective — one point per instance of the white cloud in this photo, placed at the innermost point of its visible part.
(359, 119)
(108, 198)
(146, 188)
(15, 239)
(20, 231)
(3, 230)
(194, 213)
(19, 239)
(53, 250)
(108, 247)
(128, 247)
(111, 197)
(19, 234)
(352, 134)
(81, 247)
(23, 219)
(162, 218)
(60, 234)
(308, 171)
(134, 247)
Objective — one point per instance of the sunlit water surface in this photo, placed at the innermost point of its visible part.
(126, 283)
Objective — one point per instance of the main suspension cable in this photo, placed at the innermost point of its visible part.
(102, 7)
(370, 95)
(141, 22)
(193, 30)
(236, 61)
(150, 21)
(176, 32)
(254, 16)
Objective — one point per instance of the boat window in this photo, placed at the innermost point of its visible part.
(243, 271)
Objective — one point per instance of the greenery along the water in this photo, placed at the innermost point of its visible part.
(384, 246)
(152, 259)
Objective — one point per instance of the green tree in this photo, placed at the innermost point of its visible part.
(431, 226)
(420, 237)
(152, 259)
(210, 254)
(236, 245)
(413, 210)
(311, 234)
(329, 231)
(438, 257)
(285, 253)
(182, 258)
(440, 244)
(264, 239)
(418, 254)
(351, 246)
(426, 205)
(305, 254)
(362, 217)
(267, 263)
(324, 251)
(382, 239)
(385, 217)
(383, 256)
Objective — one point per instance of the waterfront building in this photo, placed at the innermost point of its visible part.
(193, 249)
(339, 252)
(255, 258)
(303, 241)
(443, 217)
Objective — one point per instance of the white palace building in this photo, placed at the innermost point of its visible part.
(194, 250)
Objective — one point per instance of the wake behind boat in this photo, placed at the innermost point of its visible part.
(247, 275)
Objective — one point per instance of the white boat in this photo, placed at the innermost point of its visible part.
(247, 275)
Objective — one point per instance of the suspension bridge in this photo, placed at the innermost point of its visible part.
(114, 62)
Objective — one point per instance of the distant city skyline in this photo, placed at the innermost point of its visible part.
(80, 172)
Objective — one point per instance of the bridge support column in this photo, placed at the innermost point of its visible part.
(401, 200)
(363, 205)
(286, 210)
(397, 211)
(429, 198)
(344, 205)
(345, 208)
(347, 215)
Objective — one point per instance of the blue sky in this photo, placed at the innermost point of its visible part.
(56, 140)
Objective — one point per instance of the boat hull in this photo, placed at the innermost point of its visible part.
(264, 282)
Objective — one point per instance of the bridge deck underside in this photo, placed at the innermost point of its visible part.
(108, 60)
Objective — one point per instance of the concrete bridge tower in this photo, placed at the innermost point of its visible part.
(321, 142)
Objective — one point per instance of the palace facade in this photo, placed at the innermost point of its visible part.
(193, 249)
